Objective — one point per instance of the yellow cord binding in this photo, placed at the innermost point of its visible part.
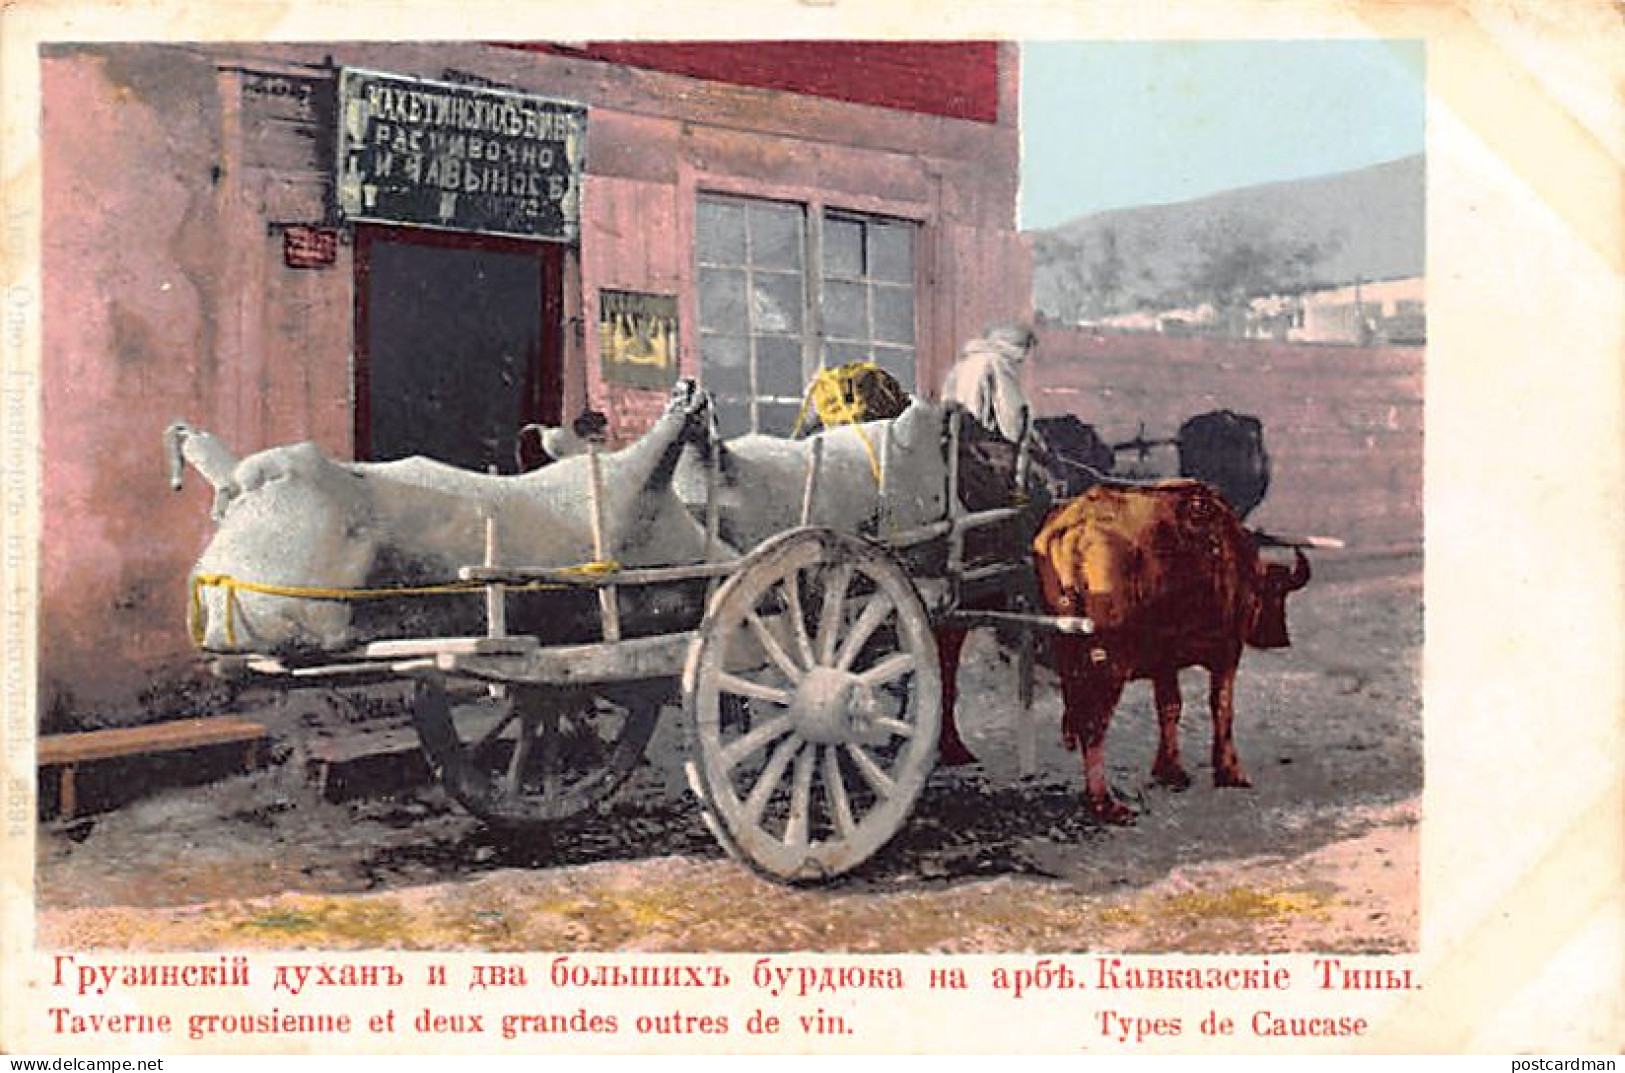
(232, 585)
(839, 397)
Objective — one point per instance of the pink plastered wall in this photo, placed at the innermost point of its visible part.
(165, 298)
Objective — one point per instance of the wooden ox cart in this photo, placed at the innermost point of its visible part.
(805, 667)
(806, 670)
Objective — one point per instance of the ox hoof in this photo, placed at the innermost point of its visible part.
(1232, 780)
(1172, 776)
(1110, 810)
(954, 754)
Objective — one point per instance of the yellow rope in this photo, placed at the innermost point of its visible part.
(831, 393)
(234, 585)
(597, 566)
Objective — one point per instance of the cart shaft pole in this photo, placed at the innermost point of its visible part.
(609, 608)
(496, 606)
(809, 490)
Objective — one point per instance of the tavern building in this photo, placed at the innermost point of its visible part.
(396, 249)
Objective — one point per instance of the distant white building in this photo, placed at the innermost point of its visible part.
(1390, 311)
(1204, 319)
(1383, 312)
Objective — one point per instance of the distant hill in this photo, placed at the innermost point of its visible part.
(1367, 224)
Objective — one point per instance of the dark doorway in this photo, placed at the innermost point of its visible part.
(458, 344)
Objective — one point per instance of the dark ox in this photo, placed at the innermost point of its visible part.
(1171, 580)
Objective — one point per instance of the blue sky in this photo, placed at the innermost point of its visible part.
(1111, 124)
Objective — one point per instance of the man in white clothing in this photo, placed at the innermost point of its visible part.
(986, 380)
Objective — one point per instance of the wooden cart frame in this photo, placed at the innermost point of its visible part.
(810, 685)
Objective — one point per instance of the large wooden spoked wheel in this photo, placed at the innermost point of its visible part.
(813, 698)
(536, 755)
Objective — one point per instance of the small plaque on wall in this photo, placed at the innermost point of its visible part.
(310, 247)
(637, 338)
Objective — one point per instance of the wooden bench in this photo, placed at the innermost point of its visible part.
(67, 752)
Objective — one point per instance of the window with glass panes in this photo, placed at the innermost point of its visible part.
(867, 293)
(772, 313)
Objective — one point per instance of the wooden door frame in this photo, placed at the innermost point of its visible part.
(544, 393)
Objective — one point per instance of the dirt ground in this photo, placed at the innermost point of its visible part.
(1321, 854)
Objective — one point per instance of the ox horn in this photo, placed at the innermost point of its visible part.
(1300, 571)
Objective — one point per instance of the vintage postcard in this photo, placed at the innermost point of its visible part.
(740, 528)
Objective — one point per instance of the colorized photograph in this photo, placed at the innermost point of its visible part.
(906, 496)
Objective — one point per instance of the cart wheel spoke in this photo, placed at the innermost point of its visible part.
(501, 724)
(775, 651)
(796, 611)
(872, 772)
(796, 828)
(875, 612)
(768, 781)
(894, 726)
(840, 805)
(744, 687)
(887, 670)
(836, 582)
(757, 739)
(519, 760)
(550, 768)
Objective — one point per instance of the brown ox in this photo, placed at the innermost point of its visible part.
(1171, 580)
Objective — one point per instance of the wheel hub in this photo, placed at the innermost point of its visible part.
(833, 707)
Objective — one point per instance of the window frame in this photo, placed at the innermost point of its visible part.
(815, 207)
(872, 283)
(751, 334)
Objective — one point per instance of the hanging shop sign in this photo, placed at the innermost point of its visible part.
(637, 338)
(462, 158)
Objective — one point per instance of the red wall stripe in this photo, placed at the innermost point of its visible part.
(957, 79)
